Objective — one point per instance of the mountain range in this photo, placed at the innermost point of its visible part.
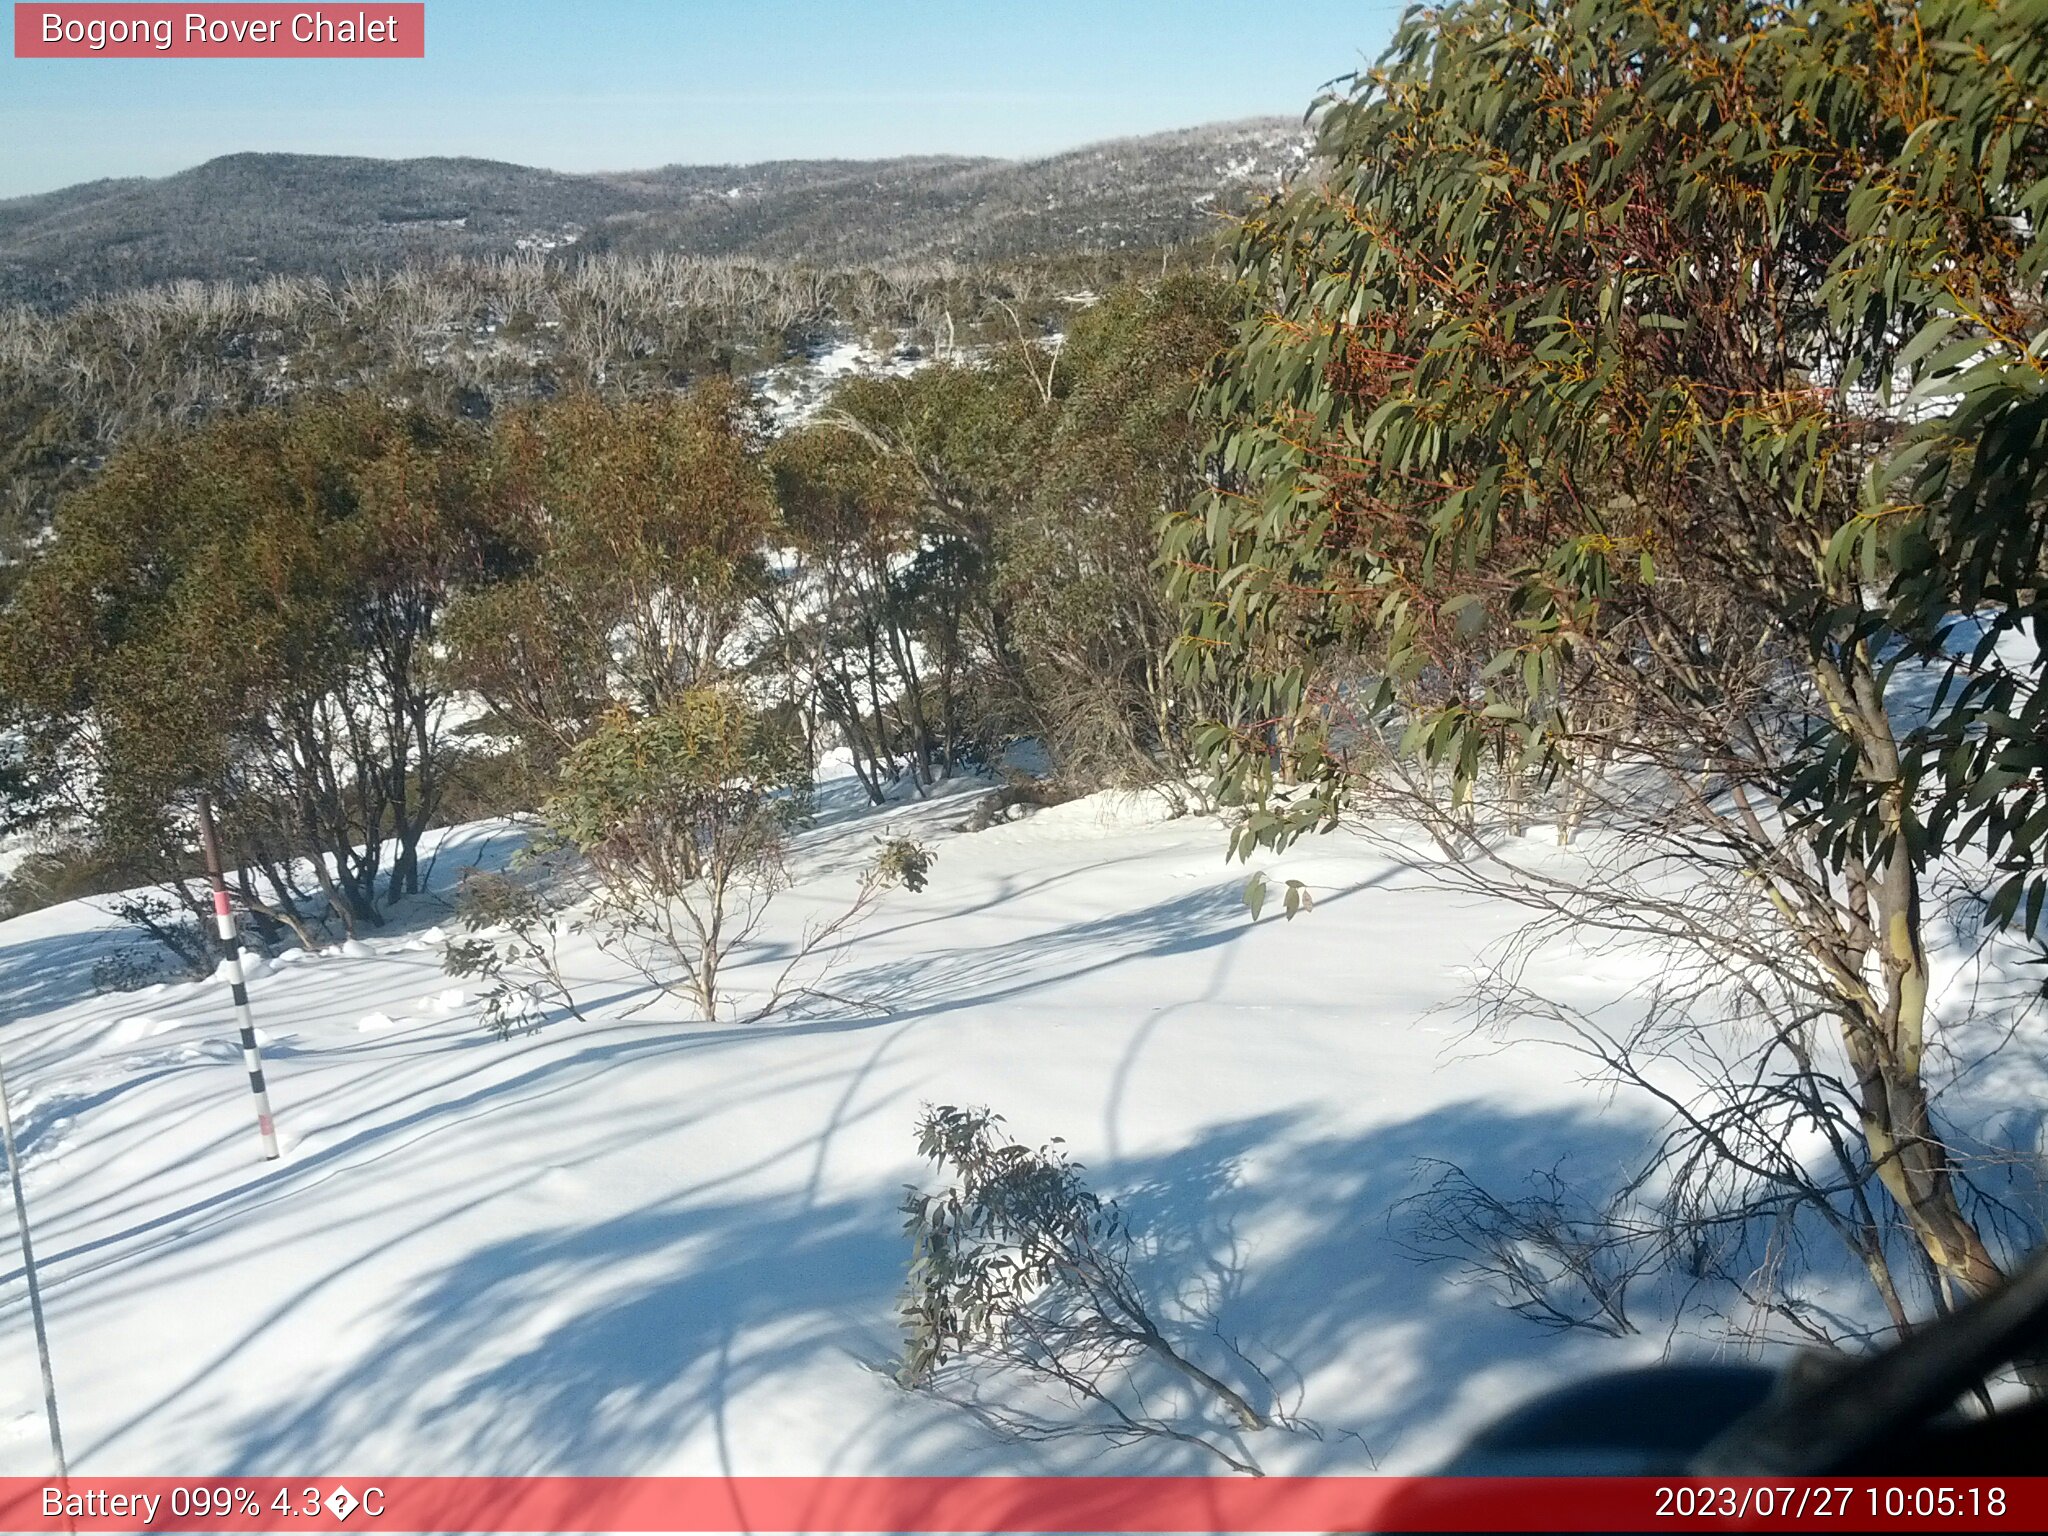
(247, 215)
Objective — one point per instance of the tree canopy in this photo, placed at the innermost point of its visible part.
(1593, 298)
(1647, 382)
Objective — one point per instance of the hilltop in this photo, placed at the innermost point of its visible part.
(249, 215)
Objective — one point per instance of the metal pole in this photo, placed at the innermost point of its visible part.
(35, 1292)
(225, 917)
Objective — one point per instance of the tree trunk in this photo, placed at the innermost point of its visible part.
(1885, 1033)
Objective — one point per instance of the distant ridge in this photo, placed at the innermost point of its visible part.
(245, 215)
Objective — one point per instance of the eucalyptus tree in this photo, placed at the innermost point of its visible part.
(1628, 388)
(251, 609)
(636, 532)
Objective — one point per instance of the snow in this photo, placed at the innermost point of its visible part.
(797, 391)
(1915, 685)
(649, 1244)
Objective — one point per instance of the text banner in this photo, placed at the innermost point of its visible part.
(252, 31)
(1022, 1504)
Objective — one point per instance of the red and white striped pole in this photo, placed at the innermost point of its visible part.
(224, 915)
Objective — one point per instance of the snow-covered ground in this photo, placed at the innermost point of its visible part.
(650, 1246)
(796, 391)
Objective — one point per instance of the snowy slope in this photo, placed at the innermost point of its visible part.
(657, 1246)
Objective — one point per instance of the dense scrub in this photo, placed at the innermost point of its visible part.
(465, 337)
(343, 615)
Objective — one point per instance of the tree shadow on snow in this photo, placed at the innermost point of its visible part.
(950, 980)
(604, 1347)
(54, 970)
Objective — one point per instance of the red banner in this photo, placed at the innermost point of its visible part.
(239, 31)
(1022, 1504)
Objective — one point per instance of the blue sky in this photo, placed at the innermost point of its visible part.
(621, 84)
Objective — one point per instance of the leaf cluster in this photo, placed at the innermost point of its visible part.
(1606, 315)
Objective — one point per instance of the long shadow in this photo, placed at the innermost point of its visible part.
(51, 1111)
(945, 981)
(53, 970)
(605, 1347)
(431, 1113)
(372, 1235)
(615, 1382)
(367, 1131)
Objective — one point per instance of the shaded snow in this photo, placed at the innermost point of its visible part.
(656, 1245)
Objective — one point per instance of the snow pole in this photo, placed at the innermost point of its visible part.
(35, 1291)
(224, 915)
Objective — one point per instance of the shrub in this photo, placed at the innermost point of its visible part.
(683, 816)
(903, 861)
(1017, 1266)
(514, 931)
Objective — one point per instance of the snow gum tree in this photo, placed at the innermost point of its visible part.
(843, 623)
(250, 608)
(1633, 384)
(1119, 451)
(973, 547)
(639, 528)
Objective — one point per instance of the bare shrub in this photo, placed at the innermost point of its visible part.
(513, 936)
(1556, 1258)
(898, 861)
(683, 817)
(1020, 1271)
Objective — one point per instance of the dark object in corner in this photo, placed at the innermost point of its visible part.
(1891, 1414)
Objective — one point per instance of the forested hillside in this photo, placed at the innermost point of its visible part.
(255, 215)
(465, 284)
(466, 336)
